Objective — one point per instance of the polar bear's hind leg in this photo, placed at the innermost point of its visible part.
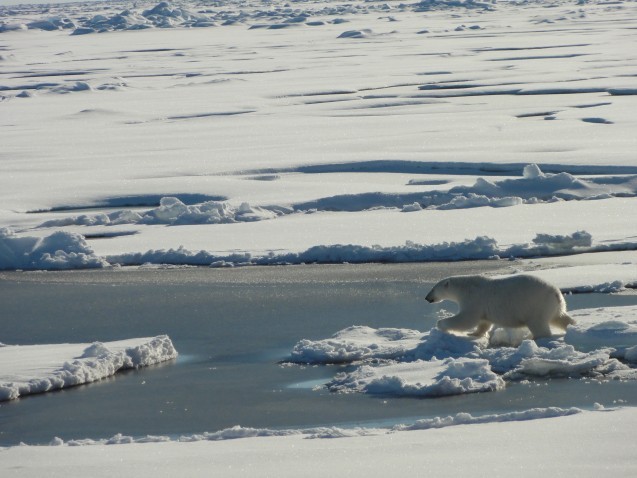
(562, 321)
(483, 327)
(539, 329)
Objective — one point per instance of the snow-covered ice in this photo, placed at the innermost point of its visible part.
(277, 151)
(233, 133)
(614, 327)
(433, 378)
(438, 363)
(357, 343)
(601, 444)
(28, 369)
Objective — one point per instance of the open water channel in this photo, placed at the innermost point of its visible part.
(232, 328)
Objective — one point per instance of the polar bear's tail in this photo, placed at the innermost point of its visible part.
(562, 321)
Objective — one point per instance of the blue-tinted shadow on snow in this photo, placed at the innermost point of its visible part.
(146, 200)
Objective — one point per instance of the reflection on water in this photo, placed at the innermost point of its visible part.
(232, 328)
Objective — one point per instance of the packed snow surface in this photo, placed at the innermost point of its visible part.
(28, 369)
(240, 132)
(446, 445)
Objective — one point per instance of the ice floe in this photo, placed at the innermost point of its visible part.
(433, 378)
(437, 363)
(29, 369)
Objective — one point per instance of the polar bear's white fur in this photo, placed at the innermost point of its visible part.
(516, 301)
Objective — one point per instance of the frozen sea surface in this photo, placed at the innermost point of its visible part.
(232, 328)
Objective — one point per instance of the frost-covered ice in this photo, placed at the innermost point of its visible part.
(28, 369)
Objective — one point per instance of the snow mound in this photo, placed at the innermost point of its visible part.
(428, 5)
(172, 211)
(162, 15)
(30, 369)
(555, 360)
(480, 248)
(533, 188)
(51, 24)
(421, 378)
(438, 344)
(614, 327)
(60, 250)
(357, 343)
(537, 186)
(365, 33)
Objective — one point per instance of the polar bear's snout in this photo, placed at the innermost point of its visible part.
(430, 297)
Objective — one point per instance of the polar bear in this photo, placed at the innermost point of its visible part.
(515, 301)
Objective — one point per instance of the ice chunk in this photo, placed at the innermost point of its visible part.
(357, 343)
(555, 359)
(440, 345)
(32, 369)
(532, 171)
(60, 250)
(421, 378)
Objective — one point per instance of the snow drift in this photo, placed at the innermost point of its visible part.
(60, 250)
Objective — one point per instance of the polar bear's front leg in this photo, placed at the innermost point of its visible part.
(461, 321)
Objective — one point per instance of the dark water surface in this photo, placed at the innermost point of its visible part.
(231, 328)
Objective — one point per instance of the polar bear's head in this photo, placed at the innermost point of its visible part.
(440, 292)
(458, 289)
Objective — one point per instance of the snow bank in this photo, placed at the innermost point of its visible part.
(468, 419)
(533, 188)
(432, 378)
(357, 343)
(480, 248)
(60, 250)
(536, 186)
(238, 432)
(65, 250)
(29, 369)
(172, 211)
